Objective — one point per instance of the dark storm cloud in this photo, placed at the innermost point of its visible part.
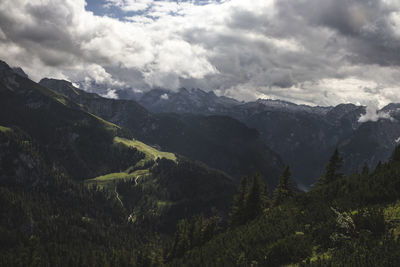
(366, 25)
(310, 51)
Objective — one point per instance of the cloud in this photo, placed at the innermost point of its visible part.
(319, 52)
(164, 96)
(111, 93)
(129, 5)
(373, 114)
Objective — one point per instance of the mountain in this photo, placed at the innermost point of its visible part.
(372, 141)
(302, 135)
(262, 105)
(186, 101)
(305, 137)
(119, 91)
(56, 138)
(60, 127)
(20, 72)
(219, 141)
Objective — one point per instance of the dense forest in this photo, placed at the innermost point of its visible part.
(50, 220)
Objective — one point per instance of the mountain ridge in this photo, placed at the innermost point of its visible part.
(219, 141)
(290, 129)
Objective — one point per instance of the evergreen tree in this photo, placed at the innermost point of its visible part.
(331, 171)
(284, 190)
(256, 199)
(238, 214)
(265, 197)
(395, 157)
(181, 240)
(193, 233)
(365, 170)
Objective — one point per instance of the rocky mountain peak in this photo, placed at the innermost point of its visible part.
(20, 72)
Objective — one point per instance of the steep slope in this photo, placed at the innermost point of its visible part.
(79, 141)
(372, 142)
(220, 142)
(47, 218)
(353, 221)
(223, 143)
(305, 136)
(303, 140)
(75, 144)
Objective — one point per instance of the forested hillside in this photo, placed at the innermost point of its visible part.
(343, 221)
(77, 190)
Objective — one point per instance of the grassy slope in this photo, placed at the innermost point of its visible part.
(5, 129)
(151, 154)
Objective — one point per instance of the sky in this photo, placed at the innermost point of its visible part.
(317, 52)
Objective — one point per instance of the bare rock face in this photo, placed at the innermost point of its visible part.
(8, 76)
(19, 71)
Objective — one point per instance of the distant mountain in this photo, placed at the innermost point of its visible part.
(186, 101)
(371, 141)
(245, 110)
(219, 141)
(303, 135)
(109, 91)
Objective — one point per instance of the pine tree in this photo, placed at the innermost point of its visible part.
(331, 171)
(181, 241)
(365, 170)
(284, 190)
(395, 157)
(238, 214)
(255, 199)
(265, 197)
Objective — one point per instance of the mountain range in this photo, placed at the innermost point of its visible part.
(217, 140)
(302, 135)
(243, 137)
